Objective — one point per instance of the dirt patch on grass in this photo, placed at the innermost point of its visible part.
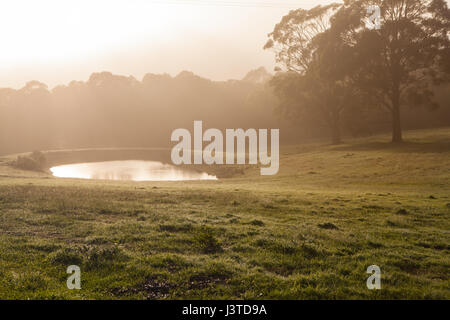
(151, 288)
(328, 225)
(204, 281)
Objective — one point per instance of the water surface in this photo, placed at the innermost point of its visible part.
(131, 170)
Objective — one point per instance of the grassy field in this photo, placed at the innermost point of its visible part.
(309, 232)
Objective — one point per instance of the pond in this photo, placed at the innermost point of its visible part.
(129, 170)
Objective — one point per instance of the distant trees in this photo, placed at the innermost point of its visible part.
(26, 116)
(111, 110)
(36, 161)
(333, 60)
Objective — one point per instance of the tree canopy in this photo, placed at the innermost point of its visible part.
(342, 61)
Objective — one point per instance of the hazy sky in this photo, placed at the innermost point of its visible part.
(56, 41)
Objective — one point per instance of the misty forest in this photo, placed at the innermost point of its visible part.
(334, 78)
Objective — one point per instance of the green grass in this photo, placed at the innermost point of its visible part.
(309, 232)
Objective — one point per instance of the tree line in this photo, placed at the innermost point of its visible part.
(111, 110)
(116, 111)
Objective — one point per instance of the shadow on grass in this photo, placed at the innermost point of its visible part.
(404, 147)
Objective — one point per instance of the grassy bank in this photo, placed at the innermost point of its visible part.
(309, 232)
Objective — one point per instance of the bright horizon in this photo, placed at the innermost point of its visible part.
(56, 42)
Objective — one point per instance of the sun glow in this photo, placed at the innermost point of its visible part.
(56, 41)
(50, 29)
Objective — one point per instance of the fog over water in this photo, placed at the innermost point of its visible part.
(130, 170)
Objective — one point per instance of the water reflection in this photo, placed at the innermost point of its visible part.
(133, 170)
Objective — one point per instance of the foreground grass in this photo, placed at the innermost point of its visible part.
(308, 233)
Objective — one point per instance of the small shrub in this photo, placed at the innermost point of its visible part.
(402, 211)
(36, 161)
(105, 211)
(32, 282)
(66, 257)
(207, 242)
(285, 248)
(392, 223)
(98, 258)
(262, 243)
(258, 223)
(375, 245)
(309, 251)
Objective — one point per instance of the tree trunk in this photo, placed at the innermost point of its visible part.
(396, 126)
(335, 129)
(396, 120)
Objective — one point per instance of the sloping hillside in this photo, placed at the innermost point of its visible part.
(309, 232)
